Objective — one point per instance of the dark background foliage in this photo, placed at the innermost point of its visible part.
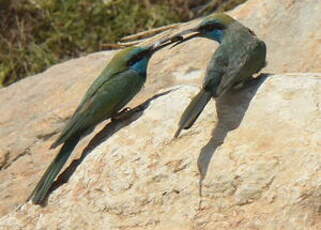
(35, 34)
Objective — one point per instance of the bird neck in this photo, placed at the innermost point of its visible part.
(216, 35)
(141, 66)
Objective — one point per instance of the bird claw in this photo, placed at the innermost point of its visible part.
(238, 86)
(246, 83)
(121, 115)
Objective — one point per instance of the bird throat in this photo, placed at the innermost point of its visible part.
(141, 65)
(216, 35)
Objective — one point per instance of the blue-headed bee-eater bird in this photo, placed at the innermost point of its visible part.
(240, 55)
(117, 84)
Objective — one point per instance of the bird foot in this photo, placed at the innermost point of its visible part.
(251, 81)
(123, 114)
(245, 84)
(238, 86)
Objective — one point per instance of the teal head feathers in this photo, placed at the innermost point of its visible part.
(135, 58)
(212, 27)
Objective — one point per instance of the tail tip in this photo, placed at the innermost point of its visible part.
(38, 200)
(177, 132)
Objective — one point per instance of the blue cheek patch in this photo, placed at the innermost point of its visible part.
(141, 66)
(216, 35)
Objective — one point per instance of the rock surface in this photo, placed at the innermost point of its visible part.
(34, 110)
(260, 157)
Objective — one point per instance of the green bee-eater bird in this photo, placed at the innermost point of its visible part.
(118, 83)
(239, 55)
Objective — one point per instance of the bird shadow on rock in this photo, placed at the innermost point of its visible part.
(125, 119)
(230, 109)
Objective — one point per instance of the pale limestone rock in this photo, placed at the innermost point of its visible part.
(259, 149)
(35, 109)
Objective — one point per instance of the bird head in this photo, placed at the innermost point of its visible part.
(137, 57)
(212, 27)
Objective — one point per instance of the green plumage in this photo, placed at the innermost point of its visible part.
(193, 110)
(118, 83)
(104, 101)
(41, 190)
(239, 56)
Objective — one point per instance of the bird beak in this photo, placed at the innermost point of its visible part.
(160, 44)
(175, 39)
(179, 37)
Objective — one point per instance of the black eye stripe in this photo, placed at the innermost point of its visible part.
(136, 58)
(212, 26)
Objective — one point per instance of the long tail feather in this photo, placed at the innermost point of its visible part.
(40, 193)
(193, 110)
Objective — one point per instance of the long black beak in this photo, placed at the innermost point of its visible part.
(179, 37)
(160, 44)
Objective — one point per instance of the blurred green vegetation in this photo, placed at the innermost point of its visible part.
(35, 34)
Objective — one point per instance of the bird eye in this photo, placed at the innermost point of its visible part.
(211, 26)
(138, 57)
(135, 58)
